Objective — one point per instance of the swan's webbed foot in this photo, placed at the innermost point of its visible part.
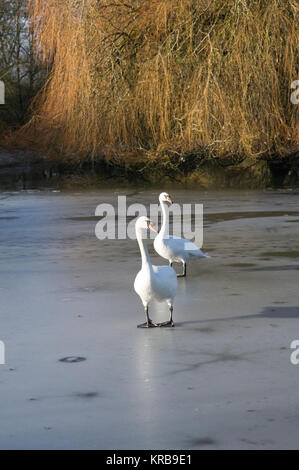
(166, 323)
(149, 324)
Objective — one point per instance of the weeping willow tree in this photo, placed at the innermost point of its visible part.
(179, 75)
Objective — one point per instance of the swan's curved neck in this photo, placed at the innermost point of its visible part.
(165, 221)
(145, 257)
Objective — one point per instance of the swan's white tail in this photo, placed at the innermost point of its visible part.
(204, 255)
(199, 254)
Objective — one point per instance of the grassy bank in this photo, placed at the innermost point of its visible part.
(26, 170)
(186, 171)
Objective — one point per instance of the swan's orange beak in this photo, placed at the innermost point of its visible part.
(169, 200)
(151, 227)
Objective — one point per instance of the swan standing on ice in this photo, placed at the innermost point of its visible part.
(174, 249)
(153, 282)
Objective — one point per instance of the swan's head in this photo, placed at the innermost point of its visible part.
(164, 197)
(144, 223)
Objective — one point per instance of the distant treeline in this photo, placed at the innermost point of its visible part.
(165, 76)
(20, 70)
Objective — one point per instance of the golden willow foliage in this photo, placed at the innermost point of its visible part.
(180, 75)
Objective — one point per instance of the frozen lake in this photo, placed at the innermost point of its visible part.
(222, 378)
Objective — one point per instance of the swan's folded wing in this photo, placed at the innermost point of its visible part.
(182, 245)
(179, 245)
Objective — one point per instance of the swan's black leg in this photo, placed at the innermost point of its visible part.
(184, 270)
(148, 323)
(170, 321)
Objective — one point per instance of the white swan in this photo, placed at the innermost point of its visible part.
(153, 282)
(174, 249)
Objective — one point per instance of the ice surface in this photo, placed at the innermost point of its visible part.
(222, 378)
